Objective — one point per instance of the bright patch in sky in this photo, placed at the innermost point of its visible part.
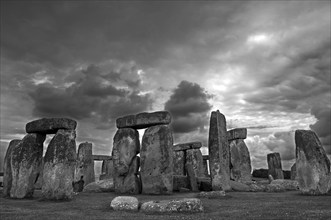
(260, 39)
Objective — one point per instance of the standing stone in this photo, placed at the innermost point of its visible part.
(312, 164)
(219, 152)
(157, 160)
(125, 148)
(25, 161)
(107, 169)
(85, 164)
(7, 171)
(179, 162)
(240, 161)
(39, 182)
(293, 172)
(59, 166)
(191, 177)
(275, 166)
(194, 157)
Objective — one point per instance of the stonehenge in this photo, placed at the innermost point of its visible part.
(85, 164)
(275, 166)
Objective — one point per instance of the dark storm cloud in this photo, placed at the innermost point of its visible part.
(189, 107)
(323, 126)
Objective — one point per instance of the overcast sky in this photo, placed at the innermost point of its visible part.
(264, 64)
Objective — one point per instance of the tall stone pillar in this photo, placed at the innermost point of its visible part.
(275, 166)
(85, 164)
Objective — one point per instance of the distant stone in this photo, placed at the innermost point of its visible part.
(275, 166)
(106, 185)
(191, 177)
(7, 170)
(211, 195)
(287, 184)
(25, 162)
(194, 157)
(260, 173)
(239, 187)
(237, 133)
(180, 181)
(240, 160)
(270, 178)
(59, 166)
(275, 188)
(184, 189)
(126, 146)
(107, 169)
(293, 172)
(85, 164)
(219, 152)
(179, 163)
(124, 203)
(157, 160)
(186, 146)
(178, 205)
(144, 120)
(312, 164)
(50, 125)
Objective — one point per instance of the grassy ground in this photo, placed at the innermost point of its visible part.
(236, 205)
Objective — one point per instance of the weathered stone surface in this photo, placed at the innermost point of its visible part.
(312, 164)
(39, 182)
(101, 157)
(144, 120)
(237, 133)
(211, 195)
(125, 203)
(293, 172)
(191, 177)
(107, 169)
(275, 166)
(240, 161)
(100, 186)
(85, 164)
(186, 146)
(205, 167)
(275, 188)
(287, 184)
(179, 162)
(126, 164)
(25, 162)
(194, 157)
(219, 152)
(50, 125)
(7, 170)
(239, 187)
(178, 205)
(157, 160)
(254, 187)
(180, 181)
(59, 166)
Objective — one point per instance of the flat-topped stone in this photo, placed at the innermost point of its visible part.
(144, 120)
(237, 133)
(101, 157)
(186, 146)
(50, 125)
(176, 205)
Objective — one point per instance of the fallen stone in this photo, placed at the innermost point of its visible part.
(100, 186)
(240, 161)
(275, 188)
(191, 177)
(50, 125)
(184, 189)
(254, 187)
(126, 146)
(187, 146)
(178, 205)
(124, 203)
(219, 152)
(237, 133)
(144, 120)
(211, 195)
(293, 172)
(157, 160)
(85, 164)
(26, 159)
(59, 166)
(287, 184)
(194, 157)
(275, 166)
(239, 187)
(179, 162)
(7, 170)
(312, 164)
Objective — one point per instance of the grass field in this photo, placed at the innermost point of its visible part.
(236, 205)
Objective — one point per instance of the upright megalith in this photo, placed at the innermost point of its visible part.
(59, 166)
(144, 120)
(26, 158)
(219, 152)
(85, 164)
(157, 160)
(194, 157)
(7, 170)
(126, 162)
(50, 125)
(312, 164)
(240, 161)
(179, 162)
(275, 166)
